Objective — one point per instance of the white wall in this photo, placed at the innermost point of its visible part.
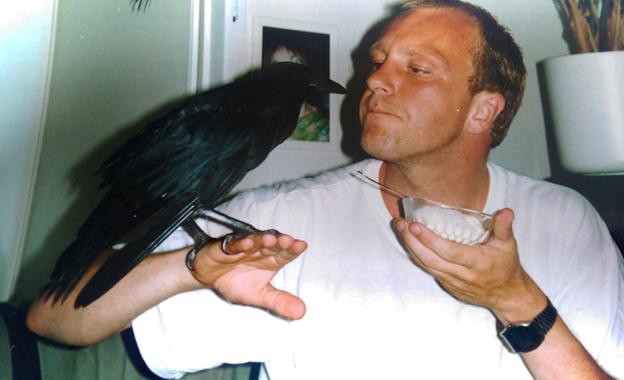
(25, 43)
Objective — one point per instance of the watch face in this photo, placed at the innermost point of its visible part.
(518, 338)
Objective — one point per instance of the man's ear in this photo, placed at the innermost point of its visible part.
(484, 109)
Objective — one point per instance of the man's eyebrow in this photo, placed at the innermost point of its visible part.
(432, 55)
(377, 46)
(412, 51)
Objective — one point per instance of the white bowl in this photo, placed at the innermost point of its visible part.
(458, 224)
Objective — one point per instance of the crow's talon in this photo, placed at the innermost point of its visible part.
(192, 254)
(226, 240)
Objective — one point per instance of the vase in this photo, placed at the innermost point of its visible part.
(583, 96)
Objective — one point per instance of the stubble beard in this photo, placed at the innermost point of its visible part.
(380, 143)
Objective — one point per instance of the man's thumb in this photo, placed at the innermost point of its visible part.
(283, 303)
(502, 224)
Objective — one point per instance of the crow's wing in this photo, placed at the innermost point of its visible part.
(218, 182)
(228, 172)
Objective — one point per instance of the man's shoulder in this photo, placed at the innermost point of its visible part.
(528, 190)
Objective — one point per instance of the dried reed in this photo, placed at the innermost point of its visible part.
(592, 25)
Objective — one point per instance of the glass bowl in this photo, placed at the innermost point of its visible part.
(457, 224)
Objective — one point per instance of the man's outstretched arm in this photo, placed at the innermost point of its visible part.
(243, 277)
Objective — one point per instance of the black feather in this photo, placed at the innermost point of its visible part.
(186, 161)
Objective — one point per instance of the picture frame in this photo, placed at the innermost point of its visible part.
(275, 39)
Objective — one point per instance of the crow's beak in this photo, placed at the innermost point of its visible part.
(326, 85)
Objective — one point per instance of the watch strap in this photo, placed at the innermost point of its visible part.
(546, 319)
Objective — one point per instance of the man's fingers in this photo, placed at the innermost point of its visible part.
(413, 236)
(443, 254)
(250, 243)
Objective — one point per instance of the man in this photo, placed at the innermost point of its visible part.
(362, 304)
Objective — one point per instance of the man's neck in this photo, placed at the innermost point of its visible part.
(464, 185)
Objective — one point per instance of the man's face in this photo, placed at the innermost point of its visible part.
(417, 94)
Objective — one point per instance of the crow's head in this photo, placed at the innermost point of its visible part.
(300, 79)
(274, 98)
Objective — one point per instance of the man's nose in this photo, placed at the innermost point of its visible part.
(380, 79)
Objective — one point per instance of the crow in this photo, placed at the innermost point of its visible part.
(178, 167)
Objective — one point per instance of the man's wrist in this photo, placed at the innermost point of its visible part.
(522, 306)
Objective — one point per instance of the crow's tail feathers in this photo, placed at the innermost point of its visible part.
(123, 260)
(68, 273)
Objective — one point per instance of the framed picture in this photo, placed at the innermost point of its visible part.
(276, 40)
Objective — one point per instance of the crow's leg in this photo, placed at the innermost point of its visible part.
(239, 227)
(199, 237)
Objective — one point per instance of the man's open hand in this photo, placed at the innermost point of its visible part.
(243, 274)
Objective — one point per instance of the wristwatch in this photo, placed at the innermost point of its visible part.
(525, 337)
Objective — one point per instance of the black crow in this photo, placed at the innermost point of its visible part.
(183, 163)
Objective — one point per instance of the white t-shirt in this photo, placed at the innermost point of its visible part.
(372, 313)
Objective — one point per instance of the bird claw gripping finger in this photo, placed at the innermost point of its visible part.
(192, 254)
(235, 236)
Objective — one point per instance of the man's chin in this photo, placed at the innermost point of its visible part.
(380, 149)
